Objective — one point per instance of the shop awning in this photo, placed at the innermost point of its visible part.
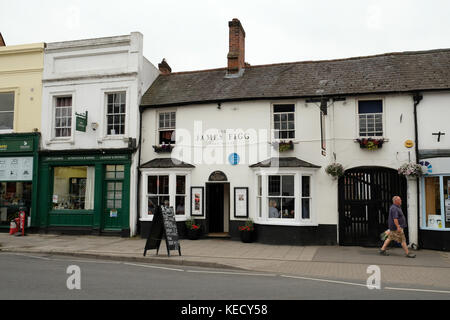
(166, 163)
(284, 162)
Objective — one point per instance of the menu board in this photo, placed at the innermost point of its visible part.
(16, 169)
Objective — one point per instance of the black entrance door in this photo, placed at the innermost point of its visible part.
(215, 206)
(365, 196)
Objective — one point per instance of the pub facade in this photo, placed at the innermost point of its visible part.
(260, 142)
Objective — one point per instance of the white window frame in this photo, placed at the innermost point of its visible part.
(298, 220)
(383, 121)
(52, 123)
(103, 126)
(124, 114)
(145, 173)
(15, 92)
(65, 117)
(272, 121)
(158, 129)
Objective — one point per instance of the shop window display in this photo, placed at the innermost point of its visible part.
(13, 195)
(73, 188)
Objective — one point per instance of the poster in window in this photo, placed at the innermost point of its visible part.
(241, 202)
(197, 201)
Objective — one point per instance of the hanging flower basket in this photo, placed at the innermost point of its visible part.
(336, 170)
(193, 230)
(283, 145)
(163, 148)
(410, 170)
(370, 144)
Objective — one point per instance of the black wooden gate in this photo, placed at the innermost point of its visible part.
(365, 196)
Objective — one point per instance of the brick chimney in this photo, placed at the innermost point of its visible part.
(164, 67)
(236, 55)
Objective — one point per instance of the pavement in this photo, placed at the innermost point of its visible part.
(430, 268)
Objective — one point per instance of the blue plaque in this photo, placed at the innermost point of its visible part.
(234, 159)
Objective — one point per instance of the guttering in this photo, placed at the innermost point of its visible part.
(417, 97)
(138, 225)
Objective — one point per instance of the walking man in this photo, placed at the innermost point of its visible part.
(397, 223)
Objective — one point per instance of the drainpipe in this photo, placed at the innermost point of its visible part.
(417, 97)
(138, 224)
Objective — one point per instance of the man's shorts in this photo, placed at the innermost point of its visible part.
(397, 236)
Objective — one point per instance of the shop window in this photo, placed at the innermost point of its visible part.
(6, 110)
(73, 188)
(63, 117)
(370, 114)
(180, 197)
(158, 192)
(446, 181)
(433, 203)
(281, 197)
(284, 121)
(166, 128)
(115, 114)
(13, 195)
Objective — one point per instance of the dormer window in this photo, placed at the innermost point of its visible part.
(166, 128)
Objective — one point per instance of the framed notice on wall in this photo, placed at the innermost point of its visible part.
(197, 201)
(241, 202)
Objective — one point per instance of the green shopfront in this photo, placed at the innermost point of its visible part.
(85, 192)
(18, 176)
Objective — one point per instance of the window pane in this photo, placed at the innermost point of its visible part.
(259, 185)
(288, 186)
(152, 185)
(7, 101)
(152, 203)
(274, 208)
(163, 185)
(283, 108)
(433, 202)
(287, 208)
(181, 185)
(260, 207)
(370, 106)
(6, 120)
(179, 205)
(118, 204)
(274, 185)
(306, 192)
(306, 208)
(13, 194)
(163, 200)
(118, 186)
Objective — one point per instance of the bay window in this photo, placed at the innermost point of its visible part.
(285, 198)
(160, 188)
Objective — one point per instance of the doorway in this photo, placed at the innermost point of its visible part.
(217, 208)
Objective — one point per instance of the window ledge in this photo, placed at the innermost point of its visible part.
(177, 219)
(287, 223)
(60, 141)
(6, 131)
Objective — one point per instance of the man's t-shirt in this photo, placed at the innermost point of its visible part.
(395, 212)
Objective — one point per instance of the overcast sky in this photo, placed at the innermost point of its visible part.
(193, 34)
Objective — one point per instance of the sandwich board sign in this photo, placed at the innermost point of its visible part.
(163, 226)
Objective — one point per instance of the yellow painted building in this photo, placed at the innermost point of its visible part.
(21, 68)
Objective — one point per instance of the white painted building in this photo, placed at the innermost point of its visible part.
(227, 119)
(433, 127)
(91, 167)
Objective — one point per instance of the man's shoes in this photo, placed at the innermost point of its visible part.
(383, 253)
(410, 255)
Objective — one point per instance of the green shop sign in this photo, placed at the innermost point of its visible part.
(88, 158)
(16, 145)
(81, 121)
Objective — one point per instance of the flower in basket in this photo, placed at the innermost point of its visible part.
(248, 226)
(410, 169)
(283, 145)
(336, 170)
(370, 144)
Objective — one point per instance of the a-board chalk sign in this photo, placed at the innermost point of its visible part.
(163, 226)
